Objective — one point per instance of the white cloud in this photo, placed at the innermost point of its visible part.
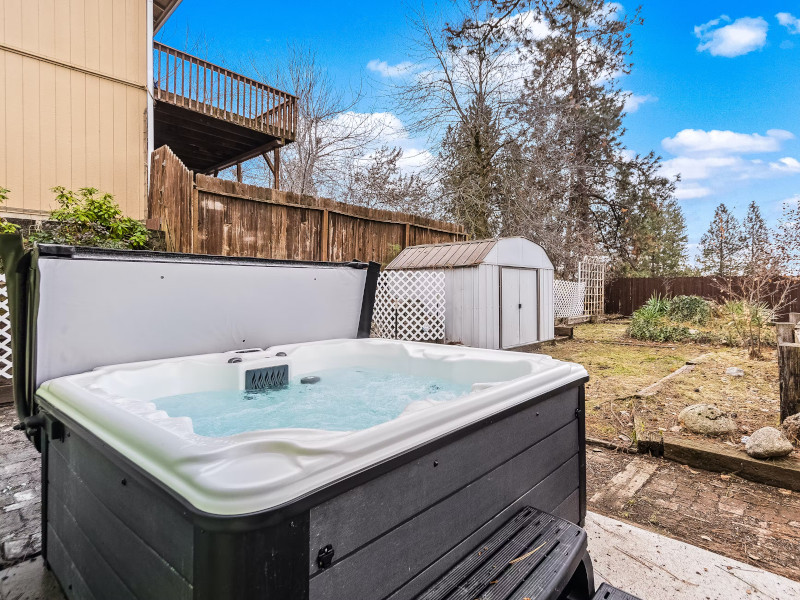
(389, 71)
(714, 161)
(789, 21)
(701, 142)
(634, 101)
(691, 191)
(739, 37)
(787, 165)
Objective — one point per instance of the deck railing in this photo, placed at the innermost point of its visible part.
(191, 82)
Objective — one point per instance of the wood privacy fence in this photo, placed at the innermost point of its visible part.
(626, 294)
(206, 215)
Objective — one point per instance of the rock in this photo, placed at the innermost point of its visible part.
(706, 419)
(734, 372)
(791, 428)
(768, 442)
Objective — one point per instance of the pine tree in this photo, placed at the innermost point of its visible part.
(756, 238)
(470, 169)
(722, 246)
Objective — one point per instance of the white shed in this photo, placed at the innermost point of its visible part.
(498, 293)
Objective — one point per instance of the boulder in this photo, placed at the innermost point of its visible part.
(791, 428)
(734, 372)
(706, 419)
(768, 442)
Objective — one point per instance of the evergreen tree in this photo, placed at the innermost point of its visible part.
(722, 246)
(756, 238)
(470, 171)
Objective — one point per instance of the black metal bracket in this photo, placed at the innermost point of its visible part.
(325, 557)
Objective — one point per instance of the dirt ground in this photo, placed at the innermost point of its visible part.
(620, 367)
(756, 524)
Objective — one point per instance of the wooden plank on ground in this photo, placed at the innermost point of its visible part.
(780, 472)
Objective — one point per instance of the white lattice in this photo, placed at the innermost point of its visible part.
(568, 298)
(409, 305)
(5, 332)
(592, 273)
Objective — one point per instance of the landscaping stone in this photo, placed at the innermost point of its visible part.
(791, 428)
(734, 372)
(768, 442)
(706, 419)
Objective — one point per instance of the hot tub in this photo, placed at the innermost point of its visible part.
(147, 495)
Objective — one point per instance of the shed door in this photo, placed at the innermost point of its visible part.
(520, 307)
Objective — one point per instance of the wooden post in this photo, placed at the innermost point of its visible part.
(784, 332)
(794, 317)
(277, 170)
(239, 172)
(789, 367)
(407, 236)
(324, 233)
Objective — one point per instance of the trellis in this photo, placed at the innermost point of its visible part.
(5, 332)
(568, 298)
(409, 305)
(592, 273)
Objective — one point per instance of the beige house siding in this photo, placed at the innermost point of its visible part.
(73, 100)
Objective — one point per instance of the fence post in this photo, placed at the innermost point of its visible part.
(789, 368)
(784, 332)
(794, 317)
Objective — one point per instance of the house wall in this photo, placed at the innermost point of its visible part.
(73, 101)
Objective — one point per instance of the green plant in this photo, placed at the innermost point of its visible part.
(691, 309)
(656, 306)
(650, 323)
(5, 226)
(90, 218)
(747, 322)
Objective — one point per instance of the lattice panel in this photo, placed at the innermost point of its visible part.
(409, 305)
(592, 273)
(5, 332)
(568, 298)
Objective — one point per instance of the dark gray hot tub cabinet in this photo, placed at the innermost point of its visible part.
(113, 531)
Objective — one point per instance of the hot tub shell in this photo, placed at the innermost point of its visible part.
(380, 513)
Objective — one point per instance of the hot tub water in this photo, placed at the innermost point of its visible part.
(342, 400)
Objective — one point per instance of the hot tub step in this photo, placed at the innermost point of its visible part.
(608, 592)
(533, 556)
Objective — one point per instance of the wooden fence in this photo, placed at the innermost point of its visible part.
(206, 215)
(626, 294)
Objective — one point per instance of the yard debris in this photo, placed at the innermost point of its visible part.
(706, 419)
(768, 442)
(734, 372)
(524, 556)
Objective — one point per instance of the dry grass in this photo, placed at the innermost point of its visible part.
(619, 367)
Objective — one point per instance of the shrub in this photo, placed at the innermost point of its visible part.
(651, 323)
(692, 309)
(89, 218)
(5, 226)
(748, 322)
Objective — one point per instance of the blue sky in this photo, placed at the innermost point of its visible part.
(717, 83)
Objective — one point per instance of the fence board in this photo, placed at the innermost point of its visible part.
(236, 219)
(626, 294)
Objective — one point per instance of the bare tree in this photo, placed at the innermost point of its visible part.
(331, 133)
(378, 181)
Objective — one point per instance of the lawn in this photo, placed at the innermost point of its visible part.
(619, 367)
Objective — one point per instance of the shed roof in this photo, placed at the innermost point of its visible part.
(453, 254)
(512, 252)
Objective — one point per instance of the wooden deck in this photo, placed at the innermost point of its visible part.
(213, 118)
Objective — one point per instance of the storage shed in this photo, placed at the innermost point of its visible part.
(498, 293)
